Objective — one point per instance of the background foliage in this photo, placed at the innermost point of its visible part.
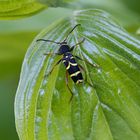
(16, 35)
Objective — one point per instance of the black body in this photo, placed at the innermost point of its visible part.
(70, 63)
(68, 59)
(72, 67)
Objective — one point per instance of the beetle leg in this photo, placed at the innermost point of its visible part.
(66, 80)
(93, 65)
(53, 68)
(71, 49)
(82, 68)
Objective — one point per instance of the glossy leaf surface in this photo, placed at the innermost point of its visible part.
(108, 110)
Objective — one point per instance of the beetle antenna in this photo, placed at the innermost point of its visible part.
(71, 32)
(64, 39)
(48, 41)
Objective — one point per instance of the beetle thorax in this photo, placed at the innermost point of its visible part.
(64, 48)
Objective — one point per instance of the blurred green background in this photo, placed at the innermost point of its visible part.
(17, 35)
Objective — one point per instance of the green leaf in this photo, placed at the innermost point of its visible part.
(108, 110)
(10, 9)
(18, 9)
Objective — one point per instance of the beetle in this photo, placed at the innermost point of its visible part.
(69, 60)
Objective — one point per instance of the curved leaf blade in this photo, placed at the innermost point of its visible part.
(107, 110)
(16, 9)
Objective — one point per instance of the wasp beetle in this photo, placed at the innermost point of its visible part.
(69, 60)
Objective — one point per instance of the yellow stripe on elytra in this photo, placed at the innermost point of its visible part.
(71, 64)
(75, 74)
(68, 66)
(79, 81)
(71, 57)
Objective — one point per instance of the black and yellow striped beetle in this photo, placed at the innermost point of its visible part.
(72, 68)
